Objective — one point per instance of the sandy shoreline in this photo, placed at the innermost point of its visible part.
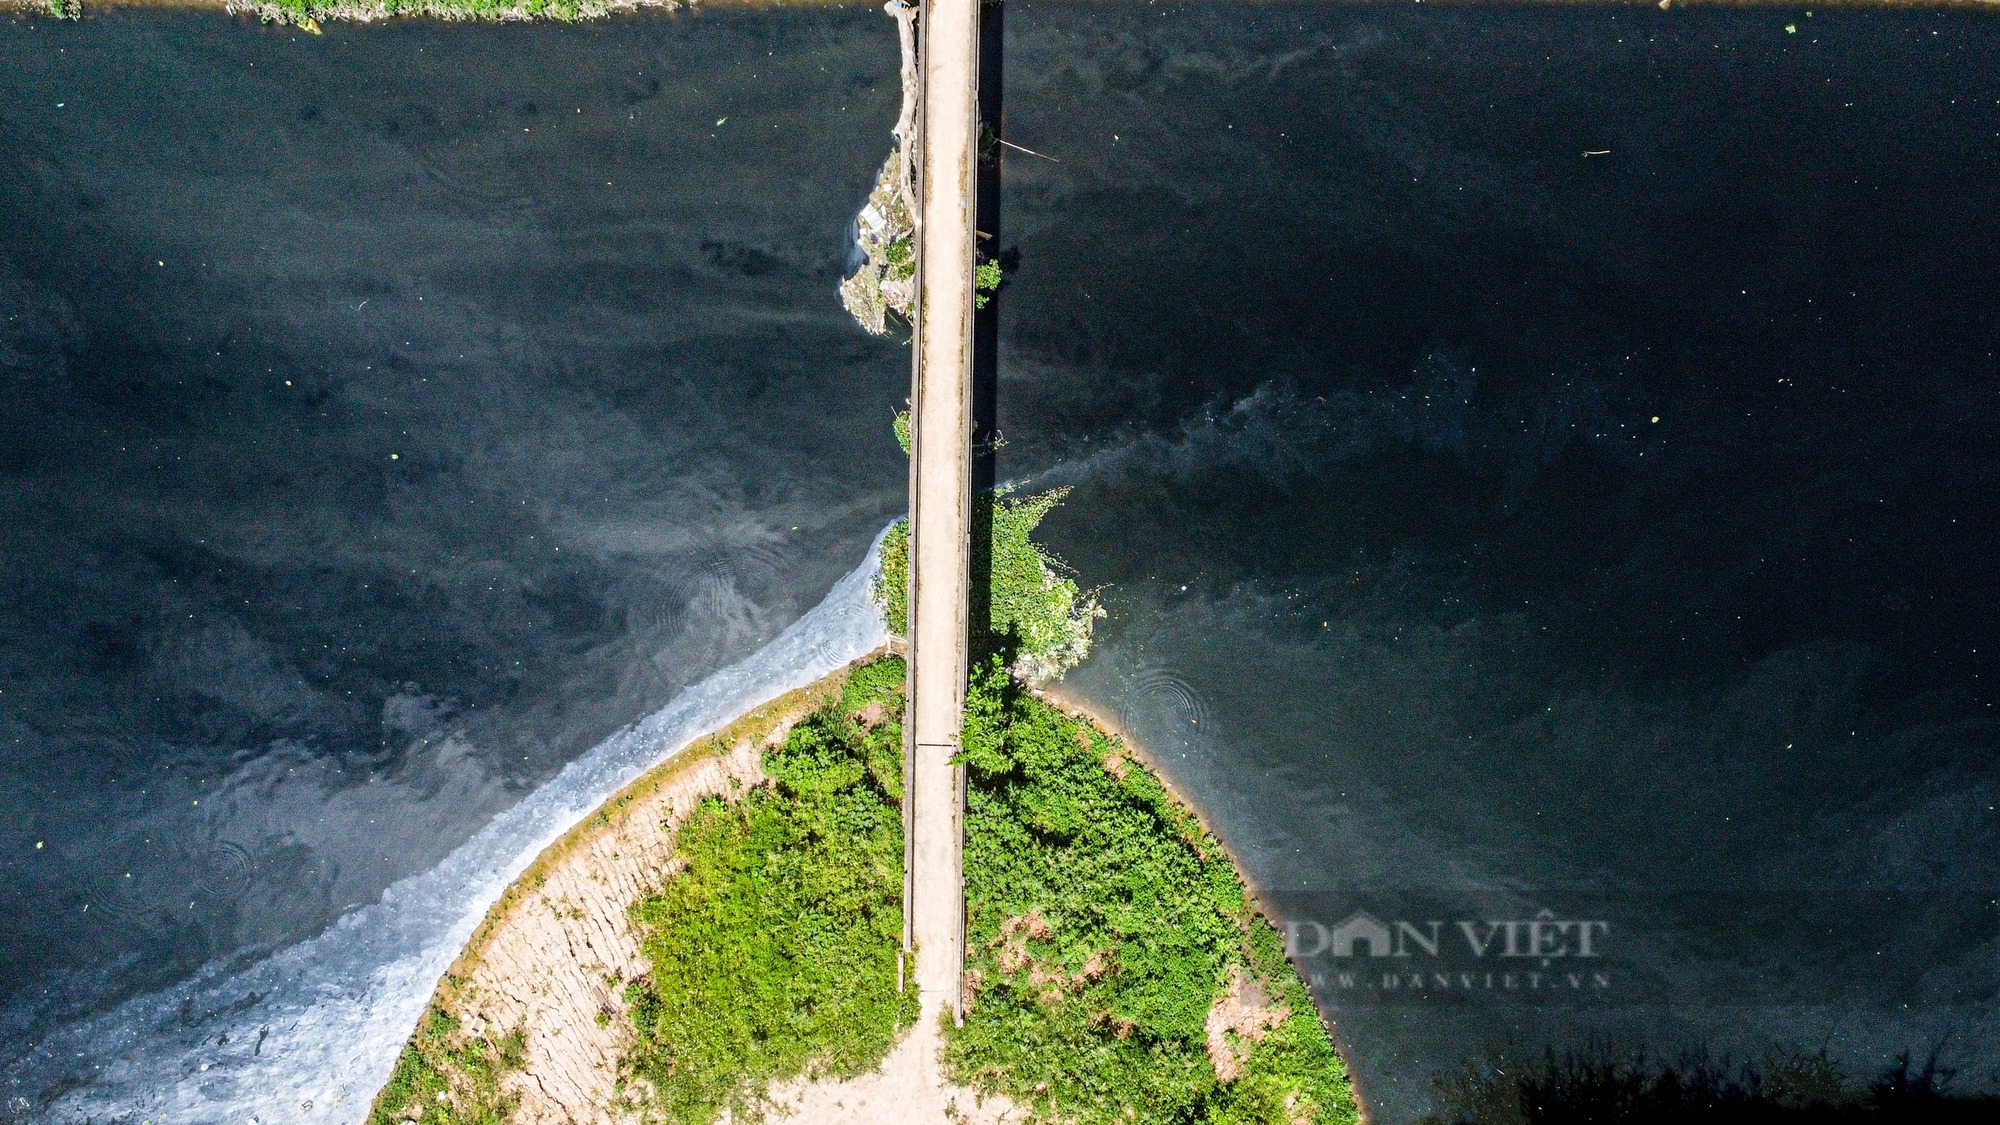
(551, 956)
(550, 959)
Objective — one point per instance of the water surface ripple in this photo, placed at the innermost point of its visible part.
(392, 417)
(1542, 459)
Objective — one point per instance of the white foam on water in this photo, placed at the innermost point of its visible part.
(312, 1032)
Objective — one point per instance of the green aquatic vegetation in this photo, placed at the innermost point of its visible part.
(449, 1076)
(1034, 614)
(775, 951)
(1026, 606)
(308, 14)
(985, 282)
(901, 259)
(1116, 972)
(891, 584)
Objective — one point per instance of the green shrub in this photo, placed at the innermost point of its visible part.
(775, 951)
(453, 1076)
(985, 282)
(1035, 615)
(308, 13)
(1103, 924)
(892, 583)
(901, 259)
(1025, 605)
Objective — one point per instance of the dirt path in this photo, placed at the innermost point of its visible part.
(908, 1090)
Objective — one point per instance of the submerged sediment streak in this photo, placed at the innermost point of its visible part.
(310, 1033)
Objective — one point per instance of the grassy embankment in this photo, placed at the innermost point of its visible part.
(452, 1076)
(774, 952)
(1118, 972)
(455, 1073)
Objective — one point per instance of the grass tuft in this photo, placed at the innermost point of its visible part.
(449, 1076)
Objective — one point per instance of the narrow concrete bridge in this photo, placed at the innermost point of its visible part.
(947, 162)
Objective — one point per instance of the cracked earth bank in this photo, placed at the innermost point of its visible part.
(550, 961)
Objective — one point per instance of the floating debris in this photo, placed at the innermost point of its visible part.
(885, 232)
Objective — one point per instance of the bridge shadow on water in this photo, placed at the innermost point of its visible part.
(986, 325)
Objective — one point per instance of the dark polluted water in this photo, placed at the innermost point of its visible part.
(1539, 459)
(1542, 462)
(391, 417)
